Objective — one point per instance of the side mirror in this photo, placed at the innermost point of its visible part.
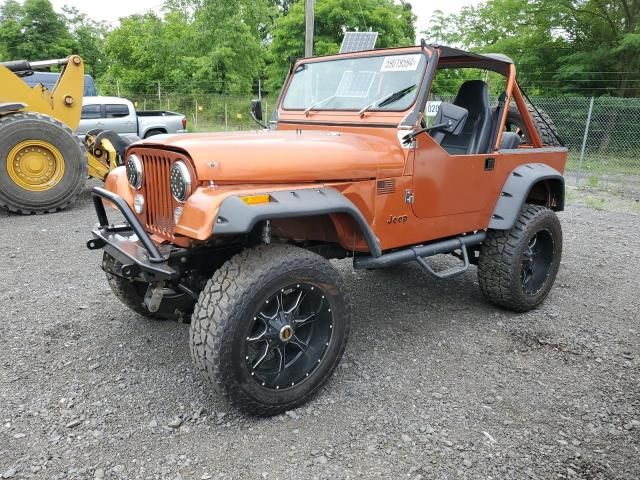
(256, 110)
(450, 119)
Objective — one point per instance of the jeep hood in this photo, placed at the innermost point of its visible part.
(286, 156)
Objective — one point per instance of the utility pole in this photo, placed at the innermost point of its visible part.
(308, 33)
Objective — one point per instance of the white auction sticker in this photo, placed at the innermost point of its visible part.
(400, 63)
(432, 108)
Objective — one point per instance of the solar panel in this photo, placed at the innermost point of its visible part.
(358, 41)
(355, 84)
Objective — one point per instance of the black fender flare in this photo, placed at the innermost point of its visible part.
(236, 217)
(516, 190)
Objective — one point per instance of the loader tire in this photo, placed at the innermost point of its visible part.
(43, 167)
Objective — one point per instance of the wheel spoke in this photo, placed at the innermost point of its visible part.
(302, 346)
(262, 357)
(266, 318)
(532, 250)
(259, 337)
(282, 351)
(296, 304)
(303, 320)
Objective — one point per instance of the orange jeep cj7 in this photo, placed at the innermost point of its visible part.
(362, 159)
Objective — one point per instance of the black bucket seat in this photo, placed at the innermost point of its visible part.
(476, 134)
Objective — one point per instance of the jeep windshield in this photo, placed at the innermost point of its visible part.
(372, 83)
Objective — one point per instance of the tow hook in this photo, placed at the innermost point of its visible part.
(153, 296)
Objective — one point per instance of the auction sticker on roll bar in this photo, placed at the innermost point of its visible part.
(400, 63)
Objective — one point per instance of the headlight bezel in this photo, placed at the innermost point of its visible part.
(181, 192)
(135, 171)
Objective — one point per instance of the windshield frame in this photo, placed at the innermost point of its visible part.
(378, 53)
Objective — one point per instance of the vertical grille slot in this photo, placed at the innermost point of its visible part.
(159, 203)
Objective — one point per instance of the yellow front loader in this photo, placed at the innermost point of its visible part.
(43, 165)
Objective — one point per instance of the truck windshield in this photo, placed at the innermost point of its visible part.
(384, 82)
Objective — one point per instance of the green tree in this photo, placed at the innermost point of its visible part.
(605, 41)
(212, 46)
(394, 23)
(88, 39)
(33, 31)
(580, 47)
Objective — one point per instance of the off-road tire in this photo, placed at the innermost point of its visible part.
(227, 305)
(501, 256)
(175, 306)
(544, 125)
(18, 127)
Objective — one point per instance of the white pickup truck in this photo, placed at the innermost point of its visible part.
(119, 115)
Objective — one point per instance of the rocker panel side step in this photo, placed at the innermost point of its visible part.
(420, 252)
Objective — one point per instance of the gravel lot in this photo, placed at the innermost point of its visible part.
(435, 383)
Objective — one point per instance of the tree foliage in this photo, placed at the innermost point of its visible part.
(212, 46)
(394, 22)
(574, 47)
(34, 31)
(583, 47)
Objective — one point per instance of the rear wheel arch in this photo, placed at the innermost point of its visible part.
(535, 183)
(548, 193)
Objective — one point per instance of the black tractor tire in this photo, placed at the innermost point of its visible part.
(174, 306)
(544, 125)
(505, 260)
(230, 305)
(26, 126)
(154, 132)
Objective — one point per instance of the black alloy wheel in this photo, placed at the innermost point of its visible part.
(536, 262)
(289, 336)
(270, 327)
(517, 267)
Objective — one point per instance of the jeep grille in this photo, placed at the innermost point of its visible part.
(159, 203)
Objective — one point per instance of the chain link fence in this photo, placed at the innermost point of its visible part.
(207, 113)
(602, 134)
(603, 137)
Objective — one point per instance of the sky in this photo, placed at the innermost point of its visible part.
(111, 10)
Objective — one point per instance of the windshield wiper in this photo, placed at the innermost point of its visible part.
(389, 99)
(317, 104)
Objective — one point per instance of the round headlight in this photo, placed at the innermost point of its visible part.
(134, 171)
(180, 181)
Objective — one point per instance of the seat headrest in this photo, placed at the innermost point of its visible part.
(473, 95)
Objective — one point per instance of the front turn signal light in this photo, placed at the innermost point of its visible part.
(255, 199)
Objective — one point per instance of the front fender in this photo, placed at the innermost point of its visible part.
(236, 217)
(516, 190)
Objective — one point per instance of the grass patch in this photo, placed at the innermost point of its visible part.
(595, 203)
(613, 163)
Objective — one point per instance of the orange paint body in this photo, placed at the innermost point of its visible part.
(361, 156)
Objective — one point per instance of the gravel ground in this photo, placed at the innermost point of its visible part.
(435, 383)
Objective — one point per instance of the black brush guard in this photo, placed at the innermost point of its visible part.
(136, 254)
